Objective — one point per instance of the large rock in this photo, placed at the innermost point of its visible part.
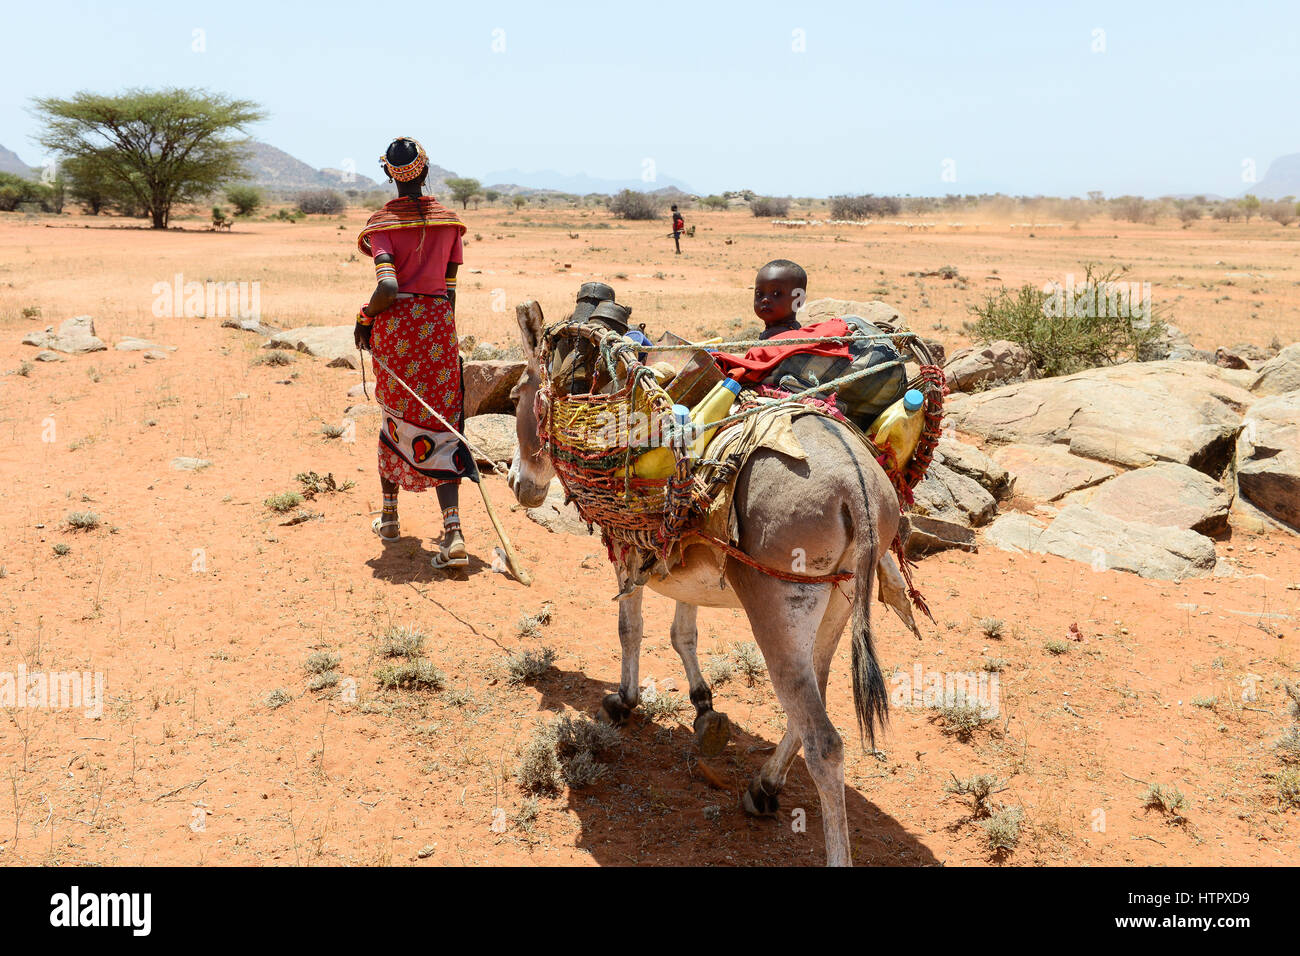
(554, 515)
(1279, 374)
(133, 344)
(970, 461)
(945, 493)
(1045, 473)
(1169, 495)
(996, 362)
(819, 310)
(1108, 543)
(924, 534)
(493, 437)
(75, 335)
(1268, 457)
(1133, 414)
(332, 342)
(488, 385)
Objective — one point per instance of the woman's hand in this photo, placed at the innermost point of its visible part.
(361, 335)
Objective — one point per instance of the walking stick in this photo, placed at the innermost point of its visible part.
(512, 562)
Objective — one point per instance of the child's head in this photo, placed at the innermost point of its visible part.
(780, 289)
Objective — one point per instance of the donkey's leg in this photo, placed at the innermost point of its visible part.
(712, 729)
(616, 708)
(761, 797)
(785, 619)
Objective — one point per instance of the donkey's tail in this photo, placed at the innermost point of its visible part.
(870, 698)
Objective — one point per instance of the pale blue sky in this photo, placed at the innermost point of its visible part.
(1012, 92)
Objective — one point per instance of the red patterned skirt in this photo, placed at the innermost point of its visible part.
(416, 338)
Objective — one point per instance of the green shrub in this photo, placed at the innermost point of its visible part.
(1062, 343)
(246, 199)
(630, 204)
(325, 202)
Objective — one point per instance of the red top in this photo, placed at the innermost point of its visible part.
(759, 362)
(420, 268)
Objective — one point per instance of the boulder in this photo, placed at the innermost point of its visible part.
(249, 325)
(1168, 494)
(924, 534)
(819, 310)
(997, 362)
(1045, 473)
(1268, 457)
(133, 344)
(970, 461)
(493, 437)
(332, 342)
(45, 355)
(1226, 358)
(1279, 374)
(1108, 543)
(1133, 414)
(554, 515)
(75, 336)
(488, 385)
(1014, 531)
(361, 410)
(945, 493)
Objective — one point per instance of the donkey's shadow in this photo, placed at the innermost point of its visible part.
(659, 804)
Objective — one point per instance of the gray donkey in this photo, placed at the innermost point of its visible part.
(839, 510)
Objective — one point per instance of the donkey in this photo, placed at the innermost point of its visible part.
(838, 509)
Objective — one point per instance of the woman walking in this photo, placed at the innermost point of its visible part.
(409, 324)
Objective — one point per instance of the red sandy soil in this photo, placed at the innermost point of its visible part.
(189, 656)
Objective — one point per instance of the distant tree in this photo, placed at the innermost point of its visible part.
(160, 147)
(764, 207)
(713, 202)
(245, 199)
(92, 184)
(630, 204)
(1226, 211)
(491, 195)
(17, 191)
(462, 188)
(1282, 213)
(1189, 212)
(864, 207)
(1249, 205)
(1096, 195)
(476, 199)
(327, 202)
(520, 201)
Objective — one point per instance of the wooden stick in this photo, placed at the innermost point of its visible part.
(512, 561)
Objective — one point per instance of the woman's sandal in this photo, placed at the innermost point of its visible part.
(378, 526)
(451, 552)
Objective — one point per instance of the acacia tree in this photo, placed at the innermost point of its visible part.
(156, 147)
(462, 188)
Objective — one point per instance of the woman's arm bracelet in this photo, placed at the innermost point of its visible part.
(385, 270)
(363, 318)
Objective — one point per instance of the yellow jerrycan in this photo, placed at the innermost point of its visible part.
(899, 426)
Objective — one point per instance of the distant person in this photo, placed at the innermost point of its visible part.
(410, 324)
(679, 226)
(780, 290)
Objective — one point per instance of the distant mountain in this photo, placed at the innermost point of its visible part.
(10, 163)
(578, 183)
(273, 168)
(1281, 180)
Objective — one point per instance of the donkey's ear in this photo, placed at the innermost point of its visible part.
(529, 316)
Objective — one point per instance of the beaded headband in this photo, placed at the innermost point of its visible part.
(412, 170)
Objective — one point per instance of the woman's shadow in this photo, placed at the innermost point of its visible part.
(659, 804)
(406, 560)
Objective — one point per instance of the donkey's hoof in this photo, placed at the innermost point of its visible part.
(758, 802)
(613, 711)
(712, 731)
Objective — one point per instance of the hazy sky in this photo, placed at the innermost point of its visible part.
(885, 97)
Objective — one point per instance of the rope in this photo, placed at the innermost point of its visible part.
(743, 558)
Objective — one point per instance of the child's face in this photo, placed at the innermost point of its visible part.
(774, 296)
